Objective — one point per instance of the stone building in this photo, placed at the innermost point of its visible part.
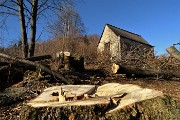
(116, 41)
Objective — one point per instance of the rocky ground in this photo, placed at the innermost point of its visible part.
(14, 97)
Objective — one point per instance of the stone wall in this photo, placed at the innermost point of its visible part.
(109, 37)
(114, 44)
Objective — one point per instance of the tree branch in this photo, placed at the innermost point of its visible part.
(8, 7)
(9, 13)
(40, 6)
(26, 8)
(15, 2)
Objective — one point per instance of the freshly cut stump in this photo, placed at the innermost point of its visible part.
(47, 98)
(110, 101)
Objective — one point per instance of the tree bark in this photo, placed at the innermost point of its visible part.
(67, 62)
(173, 52)
(44, 68)
(33, 28)
(146, 72)
(38, 58)
(23, 29)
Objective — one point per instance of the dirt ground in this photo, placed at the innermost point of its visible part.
(33, 87)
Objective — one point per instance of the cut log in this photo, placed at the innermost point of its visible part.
(38, 58)
(146, 72)
(137, 103)
(173, 52)
(42, 67)
(67, 61)
(115, 68)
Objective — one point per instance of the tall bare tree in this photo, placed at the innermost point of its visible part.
(20, 4)
(68, 23)
(28, 12)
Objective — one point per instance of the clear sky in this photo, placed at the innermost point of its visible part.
(157, 21)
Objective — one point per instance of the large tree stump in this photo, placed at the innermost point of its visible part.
(124, 102)
(69, 62)
(159, 108)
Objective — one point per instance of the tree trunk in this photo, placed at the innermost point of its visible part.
(39, 58)
(173, 52)
(143, 72)
(23, 29)
(67, 62)
(33, 28)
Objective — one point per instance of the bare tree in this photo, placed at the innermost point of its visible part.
(28, 12)
(68, 23)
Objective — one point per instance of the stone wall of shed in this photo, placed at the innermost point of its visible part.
(109, 37)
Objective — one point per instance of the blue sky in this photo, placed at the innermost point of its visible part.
(157, 21)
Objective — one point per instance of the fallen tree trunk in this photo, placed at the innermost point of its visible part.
(173, 52)
(42, 67)
(145, 72)
(38, 58)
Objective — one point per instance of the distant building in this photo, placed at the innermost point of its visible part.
(114, 39)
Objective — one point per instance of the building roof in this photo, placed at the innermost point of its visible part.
(127, 34)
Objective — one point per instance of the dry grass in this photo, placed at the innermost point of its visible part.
(82, 46)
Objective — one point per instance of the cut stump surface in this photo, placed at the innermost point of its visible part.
(110, 101)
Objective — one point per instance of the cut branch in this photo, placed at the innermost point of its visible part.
(44, 68)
